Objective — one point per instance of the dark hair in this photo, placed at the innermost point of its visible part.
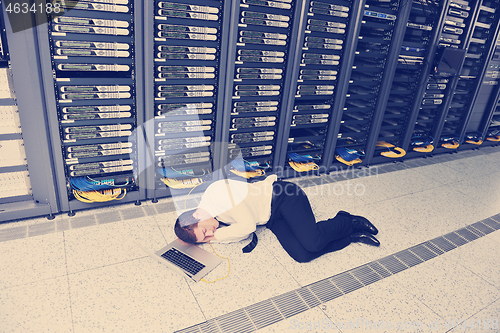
(186, 233)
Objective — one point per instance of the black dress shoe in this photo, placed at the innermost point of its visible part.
(361, 224)
(360, 237)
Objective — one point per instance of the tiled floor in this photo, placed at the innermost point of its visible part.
(84, 273)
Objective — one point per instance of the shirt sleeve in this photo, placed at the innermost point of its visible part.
(241, 229)
(233, 233)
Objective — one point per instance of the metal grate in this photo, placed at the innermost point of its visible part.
(408, 258)
(379, 269)
(443, 244)
(392, 264)
(264, 314)
(493, 223)
(290, 304)
(366, 275)
(236, 321)
(480, 226)
(433, 248)
(346, 282)
(467, 234)
(325, 291)
(423, 253)
(455, 239)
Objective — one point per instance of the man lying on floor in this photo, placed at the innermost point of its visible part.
(282, 206)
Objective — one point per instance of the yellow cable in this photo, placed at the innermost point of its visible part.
(340, 159)
(384, 144)
(475, 142)
(228, 262)
(185, 183)
(449, 145)
(493, 138)
(99, 196)
(425, 149)
(303, 167)
(249, 174)
(185, 200)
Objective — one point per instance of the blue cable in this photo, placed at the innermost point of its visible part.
(83, 184)
(424, 140)
(299, 158)
(243, 165)
(348, 154)
(454, 138)
(474, 136)
(170, 172)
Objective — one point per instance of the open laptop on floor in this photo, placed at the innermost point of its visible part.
(185, 259)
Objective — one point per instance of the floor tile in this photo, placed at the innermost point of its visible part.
(474, 166)
(111, 243)
(437, 211)
(447, 288)
(486, 320)
(254, 277)
(441, 173)
(383, 306)
(394, 184)
(494, 235)
(481, 258)
(31, 259)
(136, 296)
(41, 306)
(484, 189)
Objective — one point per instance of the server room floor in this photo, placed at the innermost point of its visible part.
(84, 273)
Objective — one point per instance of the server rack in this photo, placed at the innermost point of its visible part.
(480, 70)
(371, 77)
(186, 64)
(88, 57)
(484, 28)
(264, 57)
(412, 72)
(452, 45)
(490, 100)
(325, 41)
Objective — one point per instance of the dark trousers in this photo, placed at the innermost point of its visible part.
(293, 222)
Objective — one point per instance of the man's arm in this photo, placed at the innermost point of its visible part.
(234, 233)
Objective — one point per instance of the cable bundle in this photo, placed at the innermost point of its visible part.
(393, 151)
(422, 143)
(475, 138)
(302, 163)
(247, 169)
(89, 184)
(451, 142)
(493, 135)
(249, 174)
(169, 172)
(182, 183)
(100, 196)
(86, 189)
(348, 156)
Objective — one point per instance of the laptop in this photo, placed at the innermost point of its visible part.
(185, 259)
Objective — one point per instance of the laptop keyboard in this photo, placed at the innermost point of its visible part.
(185, 262)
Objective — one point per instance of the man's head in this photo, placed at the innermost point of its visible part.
(195, 226)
